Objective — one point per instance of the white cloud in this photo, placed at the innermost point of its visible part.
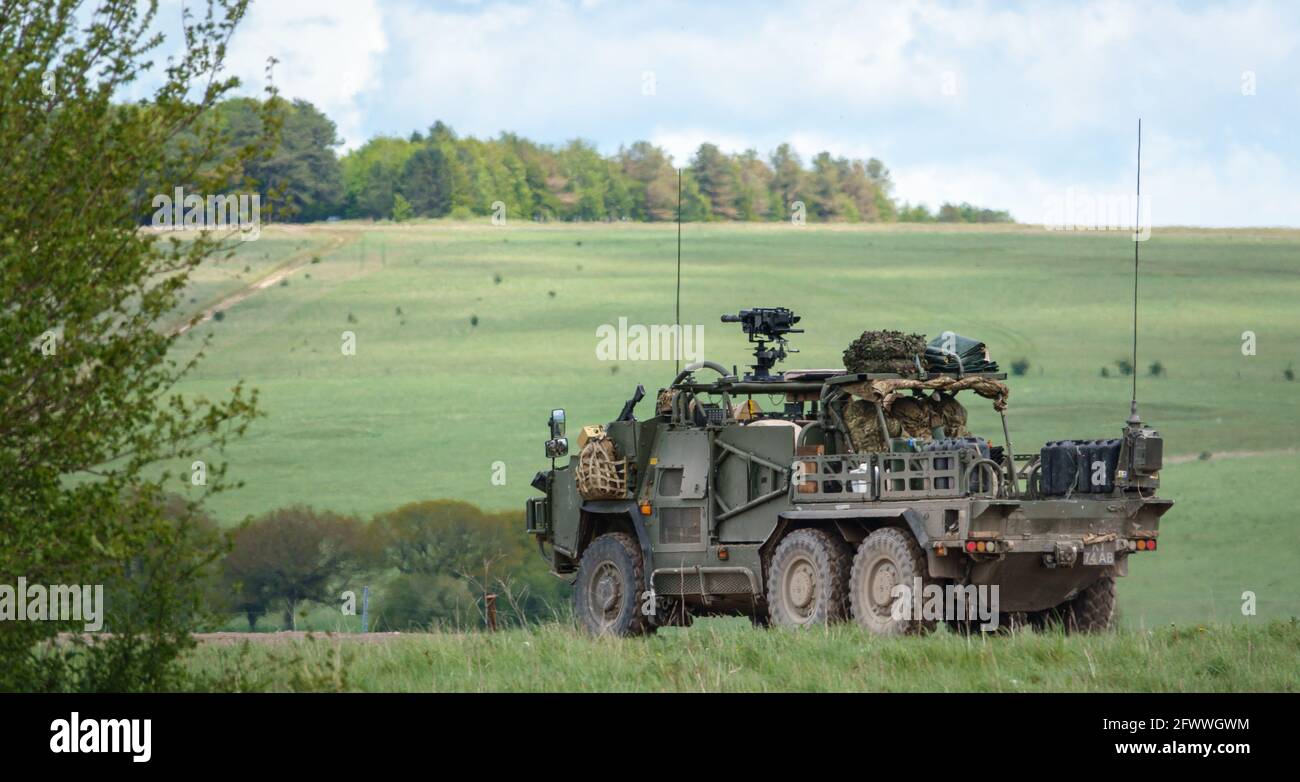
(328, 50)
(1045, 94)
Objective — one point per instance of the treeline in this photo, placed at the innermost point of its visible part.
(428, 564)
(440, 174)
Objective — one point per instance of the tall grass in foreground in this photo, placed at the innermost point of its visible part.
(730, 656)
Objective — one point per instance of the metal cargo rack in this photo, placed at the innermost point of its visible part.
(895, 476)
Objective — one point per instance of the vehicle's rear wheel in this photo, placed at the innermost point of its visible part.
(606, 595)
(889, 557)
(1093, 609)
(807, 580)
(1090, 611)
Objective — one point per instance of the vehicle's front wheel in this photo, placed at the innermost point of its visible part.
(807, 579)
(888, 558)
(606, 596)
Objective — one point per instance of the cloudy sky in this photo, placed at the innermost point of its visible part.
(1005, 105)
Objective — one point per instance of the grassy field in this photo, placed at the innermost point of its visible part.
(429, 402)
(467, 335)
(730, 656)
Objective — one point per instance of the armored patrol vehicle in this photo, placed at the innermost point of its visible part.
(836, 507)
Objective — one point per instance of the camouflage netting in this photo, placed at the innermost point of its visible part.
(664, 402)
(864, 427)
(886, 391)
(950, 414)
(884, 352)
(913, 416)
(601, 474)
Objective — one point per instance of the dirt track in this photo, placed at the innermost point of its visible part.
(288, 267)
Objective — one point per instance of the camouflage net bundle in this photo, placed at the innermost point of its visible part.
(601, 474)
(884, 352)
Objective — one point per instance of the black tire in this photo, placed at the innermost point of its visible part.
(1090, 611)
(807, 580)
(607, 592)
(1093, 609)
(888, 557)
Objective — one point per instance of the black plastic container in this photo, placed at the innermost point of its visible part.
(1068, 466)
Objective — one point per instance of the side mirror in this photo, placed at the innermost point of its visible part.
(557, 447)
(557, 423)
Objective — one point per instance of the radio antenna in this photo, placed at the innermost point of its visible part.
(1137, 232)
(678, 352)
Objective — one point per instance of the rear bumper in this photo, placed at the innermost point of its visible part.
(1041, 526)
(1045, 551)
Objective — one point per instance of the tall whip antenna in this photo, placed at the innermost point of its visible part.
(1137, 232)
(678, 364)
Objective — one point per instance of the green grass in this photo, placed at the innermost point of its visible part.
(730, 656)
(429, 403)
(1232, 530)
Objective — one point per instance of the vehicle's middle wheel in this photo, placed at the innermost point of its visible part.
(807, 579)
(889, 557)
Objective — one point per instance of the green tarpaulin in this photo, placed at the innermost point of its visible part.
(974, 355)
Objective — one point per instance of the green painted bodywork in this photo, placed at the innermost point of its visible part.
(721, 493)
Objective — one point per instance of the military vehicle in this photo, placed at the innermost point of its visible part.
(821, 510)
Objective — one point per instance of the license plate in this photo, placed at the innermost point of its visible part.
(1098, 554)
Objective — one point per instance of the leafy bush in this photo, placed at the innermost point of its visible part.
(86, 425)
(292, 556)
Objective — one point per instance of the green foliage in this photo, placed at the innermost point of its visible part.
(291, 556)
(401, 209)
(427, 182)
(88, 406)
(300, 178)
(441, 174)
(965, 213)
(430, 562)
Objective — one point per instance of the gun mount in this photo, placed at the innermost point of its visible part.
(764, 325)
